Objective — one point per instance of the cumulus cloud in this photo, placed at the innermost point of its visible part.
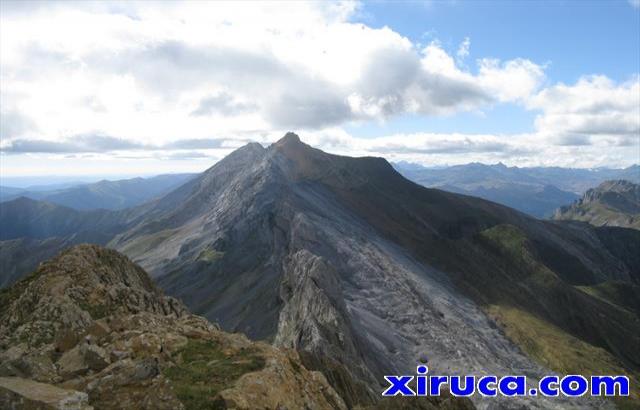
(463, 49)
(146, 76)
(14, 124)
(594, 106)
(222, 103)
(396, 81)
(513, 80)
(151, 72)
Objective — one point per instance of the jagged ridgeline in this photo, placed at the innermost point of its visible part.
(612, 203)
(365, 273)
(89, 329)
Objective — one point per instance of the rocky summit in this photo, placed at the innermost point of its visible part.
(89, 329)
(612, 203)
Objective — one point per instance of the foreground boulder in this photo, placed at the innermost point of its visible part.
(16, 392)
(89, 329)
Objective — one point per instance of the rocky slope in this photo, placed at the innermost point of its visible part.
(89, 329)
(365, 273)
(612, 203)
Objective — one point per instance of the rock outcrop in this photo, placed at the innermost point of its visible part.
(89, 329)
(612, 203)
(16, 392)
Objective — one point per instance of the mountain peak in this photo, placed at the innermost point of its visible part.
(289, 138)
(612, 203)
(618, 185)
(92, 277)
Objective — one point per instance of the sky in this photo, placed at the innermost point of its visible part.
(141, 88)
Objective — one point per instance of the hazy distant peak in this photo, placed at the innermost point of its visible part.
(251, 147)
(26, 202)
(619, 185)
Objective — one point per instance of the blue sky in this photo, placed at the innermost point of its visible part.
(145, 87)
(575, 37)
(571, 38)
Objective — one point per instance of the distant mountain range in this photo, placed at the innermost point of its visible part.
(537, 191)
(104, 194)
(612, 203)
(366, 273)
(32, 231)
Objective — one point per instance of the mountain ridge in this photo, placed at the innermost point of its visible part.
(537, 191)
(363, 272)
(90, 329)
(292, 208)
(104, 194)
(612, 203)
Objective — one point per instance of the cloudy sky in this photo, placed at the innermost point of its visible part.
(145, 88)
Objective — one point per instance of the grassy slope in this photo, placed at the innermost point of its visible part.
(599, 214)
(561, 352)
(147, 242)
(204, 369)
(618, 293)
(545, 342)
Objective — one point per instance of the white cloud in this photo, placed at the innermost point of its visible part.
(595, 107)
(513, 80)
(166, 76)
(463, 49)
(140, 70)
(400, 81)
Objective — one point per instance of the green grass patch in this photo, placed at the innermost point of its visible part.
(518, 255)
(147, 242)
(558, 350)
(509, 238)
(202, 370)
(621, 294)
